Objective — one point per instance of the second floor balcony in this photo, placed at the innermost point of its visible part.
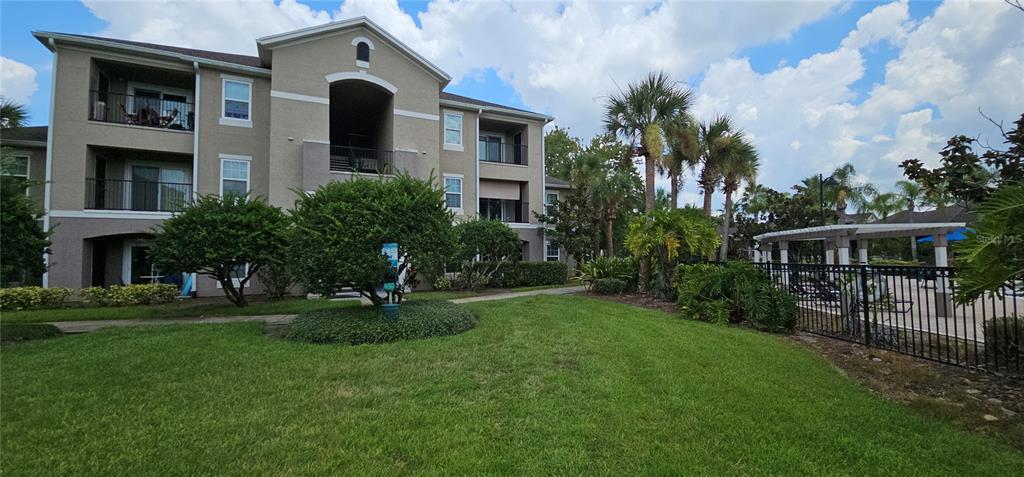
(136, 195)
(361, 160)
(147, 109)
(505, 210)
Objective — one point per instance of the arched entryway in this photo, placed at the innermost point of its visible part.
(361, 126)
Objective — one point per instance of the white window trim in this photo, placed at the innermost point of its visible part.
(462, 192)
(235, 158)
(557, 256)
(224, 120)
(448, 146)
(28, 170)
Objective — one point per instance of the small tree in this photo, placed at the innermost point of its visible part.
(993, 253)
(227, 238)
(487, 240)
(340, 228)
(666, 235)
(22, 242)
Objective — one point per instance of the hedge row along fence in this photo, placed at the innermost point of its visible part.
(525, 274)
(28, 298)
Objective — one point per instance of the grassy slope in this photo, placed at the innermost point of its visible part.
(543, 385)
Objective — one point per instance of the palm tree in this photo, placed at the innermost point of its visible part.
(611, 195)
(913, 195)
(754, 201)
(739, 165)
(715, 141)
(640, 113)
(885, 204)
(12, 115)
(682, 135)
(844, 178)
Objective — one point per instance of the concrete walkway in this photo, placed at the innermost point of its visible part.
(274, 320)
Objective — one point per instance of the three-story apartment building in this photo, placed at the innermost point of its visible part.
(139, 129)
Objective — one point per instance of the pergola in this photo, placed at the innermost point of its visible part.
(837, 239)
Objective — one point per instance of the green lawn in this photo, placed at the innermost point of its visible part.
(544, 385)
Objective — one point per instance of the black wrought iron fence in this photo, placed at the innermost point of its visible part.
(151, 196)
(357, 159)
(909, 310)
(139, 110)
(505, 153)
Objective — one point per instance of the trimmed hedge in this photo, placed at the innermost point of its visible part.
(525, 274)
(17, 332)
(24, 298)
(365, 325)
(126, 295)
(608, 286)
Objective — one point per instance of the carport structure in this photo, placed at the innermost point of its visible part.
(837, 240)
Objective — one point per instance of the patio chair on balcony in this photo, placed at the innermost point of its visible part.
(129, 118)
(169, 120)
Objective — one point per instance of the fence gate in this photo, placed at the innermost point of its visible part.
(909, 310)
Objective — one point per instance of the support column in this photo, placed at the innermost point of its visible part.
(784, 260)
(862, 251)
(844, 250)
(943, 293)
(757, 256)
(830, 255)
(766, 253)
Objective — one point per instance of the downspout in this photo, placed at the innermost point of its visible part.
(48, 183)
(195, 149)
(543, 193)
(476, 159)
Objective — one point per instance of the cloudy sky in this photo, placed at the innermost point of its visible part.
(816, 84)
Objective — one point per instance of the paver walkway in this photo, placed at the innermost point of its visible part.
(274, 320)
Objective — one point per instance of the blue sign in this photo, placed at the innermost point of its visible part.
(391, 250)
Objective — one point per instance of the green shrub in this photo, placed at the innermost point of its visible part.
(15, 332)
(608, 286)
(882, 262)
(276, 279)
(626, 269)
(24, 298)
(365, 325)
(520, 274)
(1004, 340)
(126, 295)
(442, 283)
(734, 292)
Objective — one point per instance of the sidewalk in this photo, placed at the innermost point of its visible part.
(275, 320)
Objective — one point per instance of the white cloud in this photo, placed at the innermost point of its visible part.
(795, 145)
(886, 22)
(17, 80)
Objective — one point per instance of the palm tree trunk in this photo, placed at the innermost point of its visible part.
(674, 177)
(707, 200)
(609, 232)
(648, 183)
(727, 217)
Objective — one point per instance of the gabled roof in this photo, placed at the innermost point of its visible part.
(268, 43)
(452, 99)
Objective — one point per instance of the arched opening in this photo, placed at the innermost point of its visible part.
(360, 127)
(363, 52)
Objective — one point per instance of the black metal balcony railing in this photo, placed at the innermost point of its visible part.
(505, 210)
(357, 159)
(120, 194)
(503, 153)
(138, 110)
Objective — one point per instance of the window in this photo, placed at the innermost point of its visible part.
(550, 251)
(14, 170)
(363, 52)
(234, 176)
(453, 192)
(453, 129)
(550, 199)
(237, 108)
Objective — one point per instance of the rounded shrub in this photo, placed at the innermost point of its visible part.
(24, 298)
(608, 286)
(127, 295)
(366, 325)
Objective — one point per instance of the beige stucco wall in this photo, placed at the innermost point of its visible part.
(462, 162)
(301, 69)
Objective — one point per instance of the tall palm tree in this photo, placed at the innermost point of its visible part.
(754, 201)
(682, 135)
(739, 165)
(885, 204)
(715, 142)
(913, 196)
(613, 194)
(639, 115)
(844, 178)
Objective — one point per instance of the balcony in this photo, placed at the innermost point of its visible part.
(155, 110)
(502, 153)
(362, 160)
(505, 210)
(137, 195)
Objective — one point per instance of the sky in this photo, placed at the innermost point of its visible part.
(815, 84)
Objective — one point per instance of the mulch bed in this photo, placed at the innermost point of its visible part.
(983, 403)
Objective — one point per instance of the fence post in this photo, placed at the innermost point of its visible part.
(864, 303)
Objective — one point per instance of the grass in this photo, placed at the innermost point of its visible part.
(543, 385)
(218, 306)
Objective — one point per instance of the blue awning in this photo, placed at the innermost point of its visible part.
(958, 234)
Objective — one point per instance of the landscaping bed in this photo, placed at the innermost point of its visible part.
(417, 320)
(543, 385)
